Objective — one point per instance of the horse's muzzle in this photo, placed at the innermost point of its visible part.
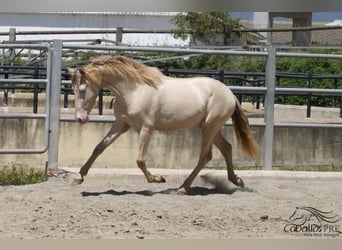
(79, 120)
(82, 118)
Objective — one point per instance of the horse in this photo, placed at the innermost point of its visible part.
(147, 100)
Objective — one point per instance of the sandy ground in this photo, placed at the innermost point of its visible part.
(125, 206)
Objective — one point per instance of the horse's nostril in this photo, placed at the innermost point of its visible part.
(79, 120)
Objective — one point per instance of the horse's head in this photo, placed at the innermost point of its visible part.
(85, 94)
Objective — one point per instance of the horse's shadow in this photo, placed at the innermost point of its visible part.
(194, 191)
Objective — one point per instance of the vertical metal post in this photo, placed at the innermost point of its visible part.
(308, 99)
(35, 89)
(55, 88)
(65, 100)
(258, 96)
(340, 106)
(12, 38)
(100, 102)
(221, 75)
(5, 102)
(166, 71)
(118, 36)
(269, 108)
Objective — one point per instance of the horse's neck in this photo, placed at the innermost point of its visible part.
(119, 87)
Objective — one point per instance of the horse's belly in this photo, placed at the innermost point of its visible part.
(178, 119)
(165, 125)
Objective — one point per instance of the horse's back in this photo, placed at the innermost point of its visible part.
(185, 102)
(203, 87)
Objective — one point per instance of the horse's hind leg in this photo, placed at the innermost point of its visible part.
(144, 139)
(226, 150)
(208, 134)
(116, 130)
(204, 158)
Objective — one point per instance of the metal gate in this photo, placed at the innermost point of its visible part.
(52, 87)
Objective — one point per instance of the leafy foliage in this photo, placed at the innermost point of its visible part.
(204, 24)
(307, 66)
(20, 175)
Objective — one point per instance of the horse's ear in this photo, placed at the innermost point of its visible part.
(82, 71)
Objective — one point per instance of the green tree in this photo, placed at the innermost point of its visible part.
(201, 24)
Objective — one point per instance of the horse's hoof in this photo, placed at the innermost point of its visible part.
(181, 191)
(240, 183)
(157, 179)
(78, 179)
(162, 179)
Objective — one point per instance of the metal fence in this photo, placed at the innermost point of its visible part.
(269, 90)
(52, 89)
(254, 79)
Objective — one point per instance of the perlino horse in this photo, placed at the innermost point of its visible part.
(146, 100)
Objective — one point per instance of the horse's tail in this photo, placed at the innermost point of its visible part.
(243, 132)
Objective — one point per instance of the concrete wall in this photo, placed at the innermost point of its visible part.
(292, 146)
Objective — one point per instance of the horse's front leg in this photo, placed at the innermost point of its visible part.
(144, 139)
(116, 130)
